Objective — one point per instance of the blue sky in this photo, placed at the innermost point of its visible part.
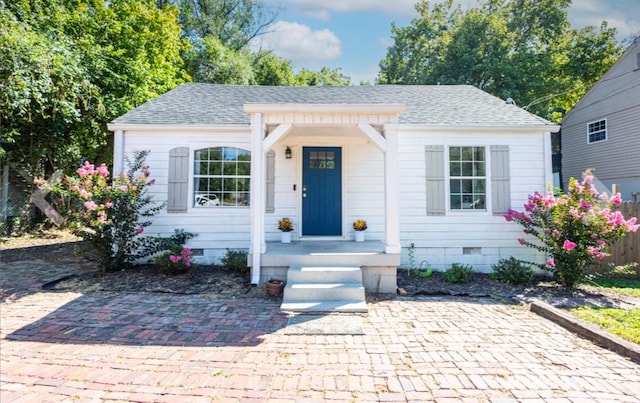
(354, 34)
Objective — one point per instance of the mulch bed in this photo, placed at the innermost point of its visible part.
(218, 282)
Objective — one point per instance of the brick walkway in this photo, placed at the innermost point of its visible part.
(167, 348)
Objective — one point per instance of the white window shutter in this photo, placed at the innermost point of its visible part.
(271, 182)
(436, 197)
(500, 180)
(178, 191)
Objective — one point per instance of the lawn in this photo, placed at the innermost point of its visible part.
(619, 285)
(621, 322)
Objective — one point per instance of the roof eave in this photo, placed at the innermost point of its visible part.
(236, 127)
(478, 128)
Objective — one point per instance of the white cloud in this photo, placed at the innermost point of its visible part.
(300, 44)
(616, 13)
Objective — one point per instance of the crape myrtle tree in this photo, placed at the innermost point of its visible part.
(574, 229)
(520, 49)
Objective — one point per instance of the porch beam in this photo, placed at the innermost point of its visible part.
(391, 191)
(278, 133)
(258, 198)
(374, 136)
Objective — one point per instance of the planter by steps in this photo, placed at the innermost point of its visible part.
(275, 287)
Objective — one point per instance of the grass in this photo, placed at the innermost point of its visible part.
(621, 322)
(620, 285)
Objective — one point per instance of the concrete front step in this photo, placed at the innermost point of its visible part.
(324, 288)
(324, 274)
(325, 306)
(324, 291)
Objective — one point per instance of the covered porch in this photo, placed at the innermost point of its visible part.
(343, 130)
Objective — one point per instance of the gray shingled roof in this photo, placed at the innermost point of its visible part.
(215, 104)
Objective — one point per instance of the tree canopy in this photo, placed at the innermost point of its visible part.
(69, 66)
(519, 49)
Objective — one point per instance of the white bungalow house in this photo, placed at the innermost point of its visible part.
(432, 166)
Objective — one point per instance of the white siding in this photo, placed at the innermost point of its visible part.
(216, 228)
(439, 240)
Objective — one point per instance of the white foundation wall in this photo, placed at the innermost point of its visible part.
(475, 238)
(222, 228)
(479, 239)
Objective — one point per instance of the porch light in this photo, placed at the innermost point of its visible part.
(287, 153)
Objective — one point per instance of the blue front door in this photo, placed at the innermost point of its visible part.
(322, 191)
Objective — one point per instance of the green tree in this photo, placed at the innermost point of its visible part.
(522, 49)
(271, 70)
(215, 63)
(47, 101)
(80, 63)
(222, 29)
(233, 22)
(324, 77)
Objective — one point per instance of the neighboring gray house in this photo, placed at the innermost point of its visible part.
(603, 130)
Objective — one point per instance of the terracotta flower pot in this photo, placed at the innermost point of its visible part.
(274, 287)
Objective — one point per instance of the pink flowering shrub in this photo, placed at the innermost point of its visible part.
(174, 262)
(178, 258)
(112, 214)
(574, 229)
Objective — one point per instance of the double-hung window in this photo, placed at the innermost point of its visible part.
(222, 177)
(467, 178)
(597, 131)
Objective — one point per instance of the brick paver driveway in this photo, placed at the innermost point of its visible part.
(146, 347)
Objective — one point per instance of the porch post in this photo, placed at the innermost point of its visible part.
(391, 190)
(258, 169)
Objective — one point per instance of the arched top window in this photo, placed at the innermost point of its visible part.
(222, 177)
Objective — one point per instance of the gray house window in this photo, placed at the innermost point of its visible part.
(597, 131)
(222, 177)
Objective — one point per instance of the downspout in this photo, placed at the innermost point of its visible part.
(548, 160)
(258, 168)
(118, 153)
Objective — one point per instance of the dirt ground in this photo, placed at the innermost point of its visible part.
(219, 283)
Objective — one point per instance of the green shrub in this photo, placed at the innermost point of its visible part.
(511, 271)
(423, 273)
(177, 259)
(458, 273)
(236, 261)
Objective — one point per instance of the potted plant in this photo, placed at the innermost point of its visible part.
(286, 226)
(359, 227)
(274, 287)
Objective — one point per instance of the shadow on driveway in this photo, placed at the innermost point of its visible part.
(149, 319)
